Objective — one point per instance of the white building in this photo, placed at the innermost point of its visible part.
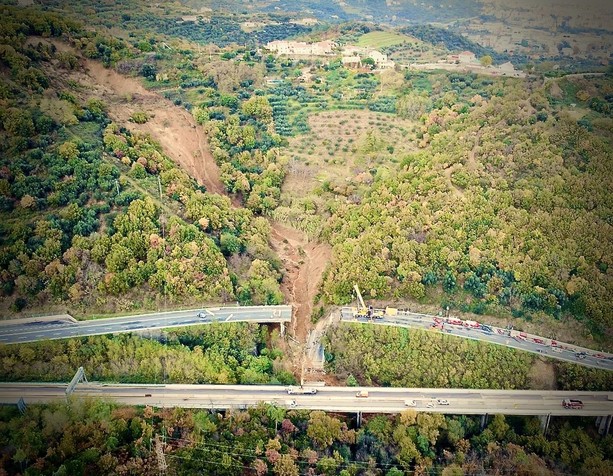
(301, 48)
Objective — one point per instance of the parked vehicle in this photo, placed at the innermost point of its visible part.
(472, 324)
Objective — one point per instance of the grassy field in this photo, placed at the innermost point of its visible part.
(378, 39)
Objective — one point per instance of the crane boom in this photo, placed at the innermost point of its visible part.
(359, 294)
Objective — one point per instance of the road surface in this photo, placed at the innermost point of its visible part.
(562, 351)
(379, 400)
(28, 330)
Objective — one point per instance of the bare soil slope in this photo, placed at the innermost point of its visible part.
(304, 263)
(172, 126)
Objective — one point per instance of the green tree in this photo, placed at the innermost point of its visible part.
(486, 60)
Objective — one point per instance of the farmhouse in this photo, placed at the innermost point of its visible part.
(301, 48)
(381, 60)
(467, 57)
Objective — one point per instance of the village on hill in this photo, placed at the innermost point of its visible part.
(358, 57)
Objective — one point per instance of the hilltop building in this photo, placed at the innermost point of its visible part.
(353, 56)
(301, 48)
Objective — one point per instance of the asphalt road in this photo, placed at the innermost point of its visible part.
(379, 400)
(425, 321)
(17, 331)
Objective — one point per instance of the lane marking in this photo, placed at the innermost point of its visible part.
(229, 317)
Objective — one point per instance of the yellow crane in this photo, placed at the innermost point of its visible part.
(368, 311)
(361, 310)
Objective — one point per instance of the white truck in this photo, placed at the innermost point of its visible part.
(301, 391)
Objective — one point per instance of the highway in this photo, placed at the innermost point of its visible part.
(18, 331)
(342, 399)
(514, 339)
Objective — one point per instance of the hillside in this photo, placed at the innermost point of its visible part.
(159, 158)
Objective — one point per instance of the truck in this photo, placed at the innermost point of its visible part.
(574, 404)
(391, 311)
(362, 394)
(301, 391)
(473, 324)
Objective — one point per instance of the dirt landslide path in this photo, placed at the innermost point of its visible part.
(172, 126)
(304, 264)
(185, 143)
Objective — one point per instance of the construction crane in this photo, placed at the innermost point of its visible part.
(361, 310)
(368, 311)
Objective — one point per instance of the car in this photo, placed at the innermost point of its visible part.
(410, 403)
(362, 394)
(201, 315)
(290, 403)
(442, 401)
(430, 405)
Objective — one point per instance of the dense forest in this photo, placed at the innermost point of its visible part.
(82, 226)
(508, 200)
(91, 436)
(398, 357)
(218, 353)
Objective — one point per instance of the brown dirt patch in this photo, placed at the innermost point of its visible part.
(542, 375)
(304, 263)
(170, 125)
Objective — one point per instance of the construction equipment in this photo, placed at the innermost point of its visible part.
(369, 311)
(391, 311)
(362, 310)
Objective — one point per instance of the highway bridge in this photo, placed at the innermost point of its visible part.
(493, 335)
(18, 331)
(340, 399)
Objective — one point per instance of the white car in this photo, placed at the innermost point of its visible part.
(430, 405)
(410, 403)
(291, 403)
(201, 315)
(442, 401)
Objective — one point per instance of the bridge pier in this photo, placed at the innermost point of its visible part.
(604, 424)
(484, 420)
(359, 420)
(545, 419)
(282, 329)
